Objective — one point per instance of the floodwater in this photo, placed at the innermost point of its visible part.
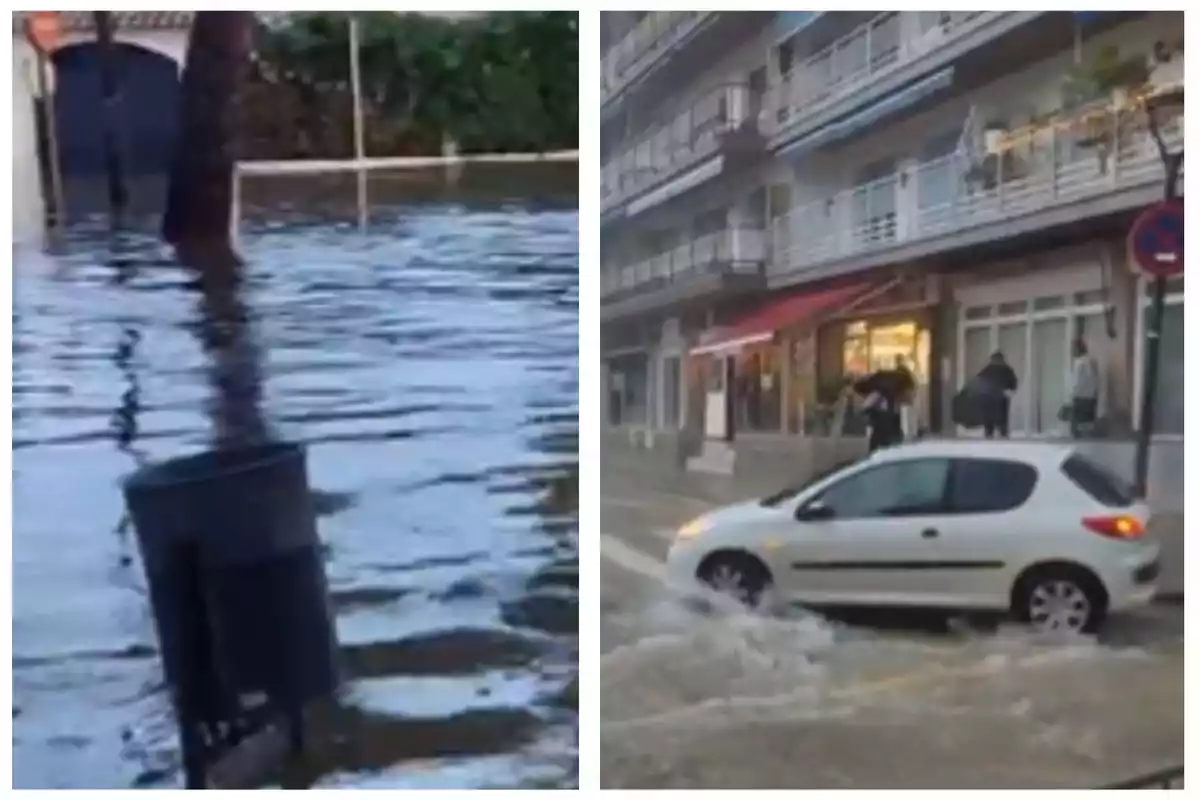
(429, 363)
(731, 700)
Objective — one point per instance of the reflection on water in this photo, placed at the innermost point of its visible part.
(430, 366)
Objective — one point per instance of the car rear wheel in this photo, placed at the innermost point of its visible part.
(740, 576)
(1061, 600)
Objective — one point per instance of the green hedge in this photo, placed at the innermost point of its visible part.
(500, 82)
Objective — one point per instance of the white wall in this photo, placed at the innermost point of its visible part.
(170, 43)
(28, 201)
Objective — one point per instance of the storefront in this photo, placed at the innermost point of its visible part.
(757, 373)
(1033, 319)
(866, 343)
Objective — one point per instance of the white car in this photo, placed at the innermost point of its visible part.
(1030, 528)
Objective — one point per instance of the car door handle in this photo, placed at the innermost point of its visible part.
(929, 533)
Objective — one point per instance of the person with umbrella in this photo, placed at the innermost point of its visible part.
(884, 392)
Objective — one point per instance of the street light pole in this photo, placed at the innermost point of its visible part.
(1172, 165)
(356, 96)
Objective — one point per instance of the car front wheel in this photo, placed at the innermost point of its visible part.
(740, 576)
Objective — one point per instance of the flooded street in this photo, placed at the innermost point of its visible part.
(733, 700)
(429, 363)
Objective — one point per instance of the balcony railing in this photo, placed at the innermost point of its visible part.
(958, 192)
(692, 136)
(734, 250)
(656, 33)
(865, 55)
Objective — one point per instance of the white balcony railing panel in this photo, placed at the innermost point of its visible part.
(693, 135)
(956, 193)
(740, 250)
(866, 54)
(643, 46)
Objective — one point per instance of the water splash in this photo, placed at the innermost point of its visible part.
(729, 699)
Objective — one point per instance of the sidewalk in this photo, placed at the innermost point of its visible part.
(1166, 527)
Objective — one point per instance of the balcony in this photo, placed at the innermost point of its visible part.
(724, 120)
(1039, 178)
(728, 259)
(642, 47)
(868, 54)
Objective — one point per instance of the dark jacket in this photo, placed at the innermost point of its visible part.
(892, 385)
(982, 398)
(998, 378)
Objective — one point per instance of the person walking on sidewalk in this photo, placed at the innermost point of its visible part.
(1085, 390)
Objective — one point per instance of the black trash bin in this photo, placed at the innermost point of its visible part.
(237, 584)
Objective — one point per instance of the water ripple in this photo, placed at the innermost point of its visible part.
(430, 366)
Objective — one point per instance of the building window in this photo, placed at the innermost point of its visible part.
(869, 347)
(939, 175)
(758, 391)
(858, 348)
(1037, 344)
(671, 391)
(712, 221)
(628, 381)
(757, 86)
(784, 54)
(874, 203)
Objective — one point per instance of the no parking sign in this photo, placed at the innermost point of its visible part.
(1156, 240)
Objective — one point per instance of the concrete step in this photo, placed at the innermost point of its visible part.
(716, 458)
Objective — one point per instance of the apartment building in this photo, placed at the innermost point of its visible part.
(792, 198)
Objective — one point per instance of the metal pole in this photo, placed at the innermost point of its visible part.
(1172, 163)
(51, 128)
(1141, 463)
(359, 149)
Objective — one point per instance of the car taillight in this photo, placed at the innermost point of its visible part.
(1120, 526)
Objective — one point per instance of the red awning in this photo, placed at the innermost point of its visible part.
(762, 324)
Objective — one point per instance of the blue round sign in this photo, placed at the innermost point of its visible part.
(1156, 240)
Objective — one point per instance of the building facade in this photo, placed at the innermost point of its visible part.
(150, 50)
(790, 199)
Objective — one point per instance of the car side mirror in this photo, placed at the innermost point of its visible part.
(814, 511)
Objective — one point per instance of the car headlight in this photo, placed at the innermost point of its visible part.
(692, 529)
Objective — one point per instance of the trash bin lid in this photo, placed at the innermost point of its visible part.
(210, 465)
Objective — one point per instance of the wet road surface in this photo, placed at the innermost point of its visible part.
(430, 365)
(732, 700)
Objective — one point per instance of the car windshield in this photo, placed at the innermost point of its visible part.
(784, 495)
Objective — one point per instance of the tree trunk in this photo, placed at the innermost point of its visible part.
(200, 194)
(114, 169)
(198, 217)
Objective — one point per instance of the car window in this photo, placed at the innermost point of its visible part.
(897, 488)
(990, 485)
(1099, 483)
